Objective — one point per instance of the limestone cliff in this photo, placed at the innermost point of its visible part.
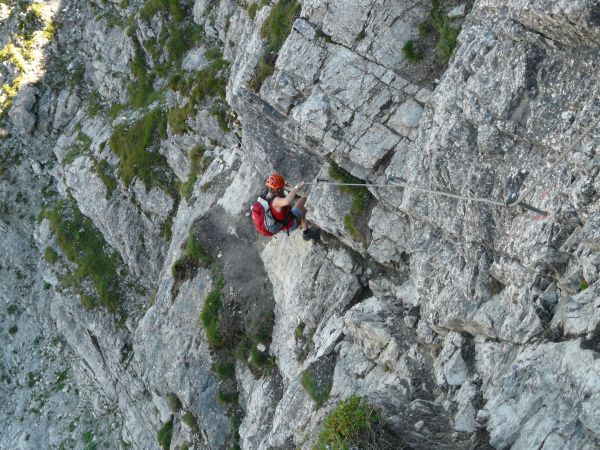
(140, 309)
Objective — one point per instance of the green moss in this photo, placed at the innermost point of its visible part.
(50, 255)
(583, 284)
(224, 370)
(410, 52)
(84, 245)
(136, 147)
(81, 146)
(351, 424)
(316, 390)
(102, 169)
(210, 314)
(165, 435)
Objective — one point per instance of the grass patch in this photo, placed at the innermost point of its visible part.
(299, 331)
(317, 391)
(252, 10)
(226, 397)
(352, 424)
(198, 164)
(103, 171)
(81, 146)
(136, 147)
(278, 25)
(193, 257)
(189, 419)
(361, 197)
(210, 314)
(142, 89)
(165, 435)
(84, 246)
(50, 255)
(351, 227)
(411, 53)
(275, 31)
(583, 284)
(173, 402)
(447, 34)
(177, 119)
(264, 71)
(220, 110)
(224, 370)
(153, 7)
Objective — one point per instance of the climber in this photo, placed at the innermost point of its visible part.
(275, 206)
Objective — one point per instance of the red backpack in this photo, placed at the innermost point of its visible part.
(263, 219)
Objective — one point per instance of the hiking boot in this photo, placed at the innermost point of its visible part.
(311, 233)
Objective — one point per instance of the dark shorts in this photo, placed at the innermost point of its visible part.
(296, 220)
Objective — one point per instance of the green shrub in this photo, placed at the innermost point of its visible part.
(136, 148)
(319, 392)
(165, 434)
(278, 24)
(210, 314)
(84, 245)
(224, 370)
(360, 36)
(583, 284)
(13, 330)
(50, 255)
(350, 425)
(410, 52)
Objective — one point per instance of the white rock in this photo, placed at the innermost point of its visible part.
(459, 11)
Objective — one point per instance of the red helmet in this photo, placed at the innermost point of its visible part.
(275, 182)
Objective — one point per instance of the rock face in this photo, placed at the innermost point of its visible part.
(465, 323)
